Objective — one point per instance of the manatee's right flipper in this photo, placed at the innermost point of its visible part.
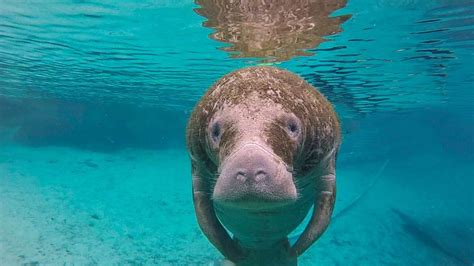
(323, 207)
(209, 223)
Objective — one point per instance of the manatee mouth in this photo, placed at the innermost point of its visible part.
(257, 196)
(253, 203)
(267, 194)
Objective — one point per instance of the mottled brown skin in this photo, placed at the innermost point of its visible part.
(254, 105)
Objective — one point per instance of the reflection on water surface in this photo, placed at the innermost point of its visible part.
(271, 30)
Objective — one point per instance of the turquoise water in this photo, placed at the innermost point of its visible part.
(94, 99)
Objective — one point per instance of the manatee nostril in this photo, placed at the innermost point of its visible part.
(241, 172)
(241, 176)
(260, 172)
(260, 175)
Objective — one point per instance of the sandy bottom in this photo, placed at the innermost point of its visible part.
(61, 205)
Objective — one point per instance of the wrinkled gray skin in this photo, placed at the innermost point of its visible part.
(263, 146)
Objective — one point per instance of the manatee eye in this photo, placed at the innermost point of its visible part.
(293, 127)
(216, 133)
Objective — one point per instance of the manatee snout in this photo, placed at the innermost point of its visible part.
(253, 175)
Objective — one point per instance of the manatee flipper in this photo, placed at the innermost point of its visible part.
(209, 223)
(323, 207)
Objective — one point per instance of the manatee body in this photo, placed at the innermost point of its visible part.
(263, 147)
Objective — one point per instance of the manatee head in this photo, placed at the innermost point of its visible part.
(254, 144)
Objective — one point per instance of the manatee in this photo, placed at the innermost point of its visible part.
(263, 146)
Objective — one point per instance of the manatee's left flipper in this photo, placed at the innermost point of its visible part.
(323, 207)
(209, 223)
